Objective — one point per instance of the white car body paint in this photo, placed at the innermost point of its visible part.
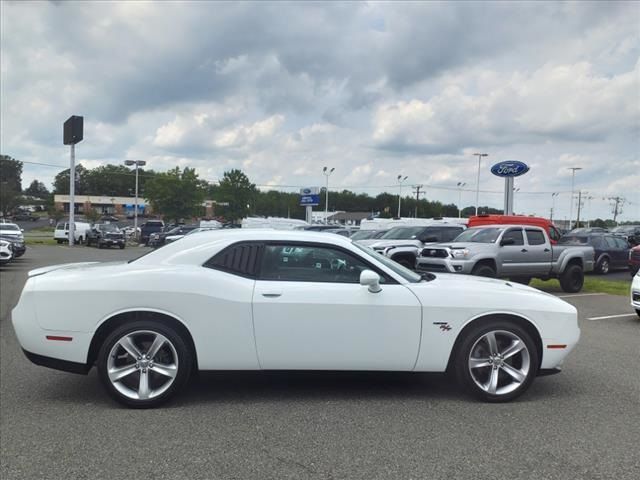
(298, 325)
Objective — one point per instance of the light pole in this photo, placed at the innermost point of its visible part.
(137, 163)
(479, 155)
(573, 178)
(460, 186)
(326, 172)
(553, 204)
(400, 180)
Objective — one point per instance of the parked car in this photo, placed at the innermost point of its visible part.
(631, 233)
(149, 227)
(18, 247)
(6, 254)
(635, 293)
(80, 233)
(106, 235)
(518, 252)
(588, 230)
(25, 216)
(611, 252)
(158, 239)
(402, 244)
(634, 259)
(552, 231)
(344, 232)
(285, 300)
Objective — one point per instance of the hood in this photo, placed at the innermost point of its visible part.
(469, 245)
(368, 242)
(396, 243)
(72, 266)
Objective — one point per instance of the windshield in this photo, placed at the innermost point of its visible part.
(479, 235)
(405, 273)
(402, 233)
(363, 234)
(109, 227)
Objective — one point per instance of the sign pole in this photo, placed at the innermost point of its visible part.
(308, 215)
(72, 195)
(508, 195)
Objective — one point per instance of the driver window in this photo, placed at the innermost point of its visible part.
(516, 234)
(299, 263)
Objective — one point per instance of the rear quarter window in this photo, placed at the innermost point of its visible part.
(239, 259)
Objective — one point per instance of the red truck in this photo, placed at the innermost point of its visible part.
(552, 231)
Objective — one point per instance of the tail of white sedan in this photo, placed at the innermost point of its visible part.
(285, 300)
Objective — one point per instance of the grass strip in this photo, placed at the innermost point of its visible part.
(591, 285)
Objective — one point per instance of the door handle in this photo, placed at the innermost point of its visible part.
(547, 250)
(271, 295)
(524, 250)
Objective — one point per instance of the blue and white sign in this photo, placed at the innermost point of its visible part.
(510, 168)
(310, 196)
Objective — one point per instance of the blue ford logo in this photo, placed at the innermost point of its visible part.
(510, 168)
(306, 191)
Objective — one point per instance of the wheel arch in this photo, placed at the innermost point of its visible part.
(116, 319)
(518, 319)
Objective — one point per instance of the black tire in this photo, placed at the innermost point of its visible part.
(89, 242)
(572, 279)
(521, 280)
(59, 241)
(100, 245)
(603, 266)
(638, 312)
(527, 360)
(484, 271)
(121, 247)
(145, 327)
(80, 240)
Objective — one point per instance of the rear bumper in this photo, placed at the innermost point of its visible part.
(57, 364)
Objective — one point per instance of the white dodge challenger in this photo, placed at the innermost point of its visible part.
(274, 300)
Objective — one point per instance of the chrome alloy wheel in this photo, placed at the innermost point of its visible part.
(499, 362)
(142, 365)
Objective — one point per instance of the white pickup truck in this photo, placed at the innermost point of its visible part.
(519, 252)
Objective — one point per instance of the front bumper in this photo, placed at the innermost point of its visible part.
(449, 265)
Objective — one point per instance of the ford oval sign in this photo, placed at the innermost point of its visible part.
(510, 168)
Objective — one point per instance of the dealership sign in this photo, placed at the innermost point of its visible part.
(310, 196)
(510, 168)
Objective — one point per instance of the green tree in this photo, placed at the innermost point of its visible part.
(176, 194)
(92, 215)
(37, 189)
(10, 183)
(236, 189)
(61, 181)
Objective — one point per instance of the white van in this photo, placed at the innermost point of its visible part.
(81, 231)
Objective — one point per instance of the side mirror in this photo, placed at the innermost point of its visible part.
(507, 241)
(369, 278)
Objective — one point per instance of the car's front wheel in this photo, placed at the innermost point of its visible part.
(497, 361)
(143, 364)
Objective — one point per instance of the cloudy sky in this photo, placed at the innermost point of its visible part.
(376, 89)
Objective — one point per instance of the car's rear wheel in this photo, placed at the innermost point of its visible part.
(143, 364)
(572, 279)
(603, 266)
(497, 361)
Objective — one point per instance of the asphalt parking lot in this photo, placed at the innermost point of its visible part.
(580, 424)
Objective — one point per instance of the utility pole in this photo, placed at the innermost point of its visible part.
(573, 178)
(417, 191)
(579, 205)
(326, 172)
(400, 181)
(618, 202)
(553, 204)
(460, 187)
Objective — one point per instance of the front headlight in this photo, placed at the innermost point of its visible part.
(460, 253)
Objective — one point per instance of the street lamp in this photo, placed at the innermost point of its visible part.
(460, 186)
(400, 180)
(479, 155)
(553, 204)
(137, 163)
(326, 172)
(573, 178)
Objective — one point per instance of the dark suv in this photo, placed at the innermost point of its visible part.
(149, 227)
(611, 251)
(105, 235)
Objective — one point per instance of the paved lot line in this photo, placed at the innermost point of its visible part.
(580, 295)
(613, 316)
